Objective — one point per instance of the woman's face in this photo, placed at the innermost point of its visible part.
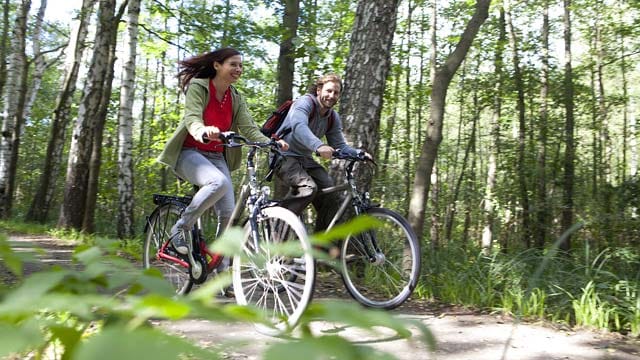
(230, 70)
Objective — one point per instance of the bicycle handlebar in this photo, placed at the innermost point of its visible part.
(360, 155)
(232, 139)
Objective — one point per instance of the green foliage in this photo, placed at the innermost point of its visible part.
(75, 315)
(598, 291)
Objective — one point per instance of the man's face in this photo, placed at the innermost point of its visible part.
(329, 94)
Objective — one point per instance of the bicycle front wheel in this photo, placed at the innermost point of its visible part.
(381, 266)
(276, 272)
(158, 253)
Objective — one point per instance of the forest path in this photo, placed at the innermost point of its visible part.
(460, 333)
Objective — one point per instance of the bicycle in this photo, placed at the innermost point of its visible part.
(281, 285)
(380, 267)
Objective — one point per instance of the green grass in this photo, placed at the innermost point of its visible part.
(583, 289)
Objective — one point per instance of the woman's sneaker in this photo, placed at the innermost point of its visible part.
(179, 243)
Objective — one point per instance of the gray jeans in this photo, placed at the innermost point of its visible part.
(209, 171)
(303, 177)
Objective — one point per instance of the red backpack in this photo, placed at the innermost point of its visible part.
(274, 122)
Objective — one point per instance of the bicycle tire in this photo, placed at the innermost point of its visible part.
(389, 280)
(279, 284)
(157, 234)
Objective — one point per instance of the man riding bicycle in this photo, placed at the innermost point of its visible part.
(310, 119)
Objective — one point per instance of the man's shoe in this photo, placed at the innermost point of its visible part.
(179, 243)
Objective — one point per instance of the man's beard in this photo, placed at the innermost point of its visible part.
(328, 103)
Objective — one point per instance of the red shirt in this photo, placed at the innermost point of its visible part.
(217, 114)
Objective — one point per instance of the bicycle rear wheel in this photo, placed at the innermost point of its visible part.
(381, 266)
(278, 281)
(156, 242)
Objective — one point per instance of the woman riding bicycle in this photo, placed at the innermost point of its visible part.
(194, 151)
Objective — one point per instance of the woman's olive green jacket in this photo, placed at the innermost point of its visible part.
(196, 101)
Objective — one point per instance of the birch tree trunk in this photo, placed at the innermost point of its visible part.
(88, 222)
(366, 74)
(40, 63)
(11, 111)
(77, 180)
(125, 127)
(41, 204)
(4, 46)
(443, 76)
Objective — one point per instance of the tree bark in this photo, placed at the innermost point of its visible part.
(521, 164)
(443, 76)
(41, 204)
(77, 180)
(489, 204)
(88, 222)
(541, 231)
(287, 57)
(365, 76)
(436, 225)
(11, 119)
(4, 46)
(569, 153)
(125, 128)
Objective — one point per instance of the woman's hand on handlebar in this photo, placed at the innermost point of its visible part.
(210, 133)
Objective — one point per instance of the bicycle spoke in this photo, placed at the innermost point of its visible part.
(373, 262)
(281, 285)
(157, 236)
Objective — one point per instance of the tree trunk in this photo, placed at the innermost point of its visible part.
(11, 117)
(463, 168)
(542, 206)
(625, 98)
(441, 82)
(390, 129)
(494, 142)
(41, 204)
(125, 128)
(569, 153)
(4, 46)
(366, 73)
(77, 180)
(521, 165)
(287, 57)
(88, 222)
(408, 144)
(40, 63)
(435, 179)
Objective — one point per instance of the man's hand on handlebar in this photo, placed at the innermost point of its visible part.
(282, 145)
(365, 155)
(325, 151)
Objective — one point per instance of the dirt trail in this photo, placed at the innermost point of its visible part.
(460, 334)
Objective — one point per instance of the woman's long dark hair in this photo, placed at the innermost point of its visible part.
(201, 66)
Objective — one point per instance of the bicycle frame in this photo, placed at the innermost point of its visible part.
(251, 197)
(353, 197)
(360, 203)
